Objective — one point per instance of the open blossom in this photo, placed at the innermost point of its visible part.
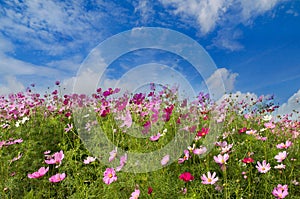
(281, 191)
(57, 177)
(264, 167)
(109, 176)
(185, 157)
(56, 158)
(186, 177)
(89, 159)
(247, 160)
(209, 179)
(280, 166)
(40, 173)
(285, 145)
(269, 125)
(221, 159)
(226, 148)
(135, 194)
(155, 137)
(281, 156)
(200, 151)
(251, 132)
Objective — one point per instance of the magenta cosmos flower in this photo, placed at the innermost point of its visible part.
(264, 167)
(281, 156)
(186, 177)
(109, 176)
(280, 191)
(135, 194)
(56, 158)
(221, 159)
(57, 177)
(40, 173)
(209, 179)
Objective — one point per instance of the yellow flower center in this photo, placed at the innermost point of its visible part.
(110, 175)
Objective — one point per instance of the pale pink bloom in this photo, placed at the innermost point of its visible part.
(200, 151)
(135, 194)
(17, 158)
(221, 159)
(47, 152)
(281, 156)
(40, 173)
(285, 145)
(280, 166)
(127, 120)
(165, 160)
(269, 125)
(56, 158)
(295, 182)
(57, 177)
(88, 160)
(221, 144)
(123, 161)
(109, 176)
(209, 179)
(226, 149)
(185, 157)
(280, 191)
(18, 141)
(155, 137)
(251, 132)
(113, 155)
(69, 128)
(264, 167)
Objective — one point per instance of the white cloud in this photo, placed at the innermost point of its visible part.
(12, 85)
(292, 104)
(221, 80)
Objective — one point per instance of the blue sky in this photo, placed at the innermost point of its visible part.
(254, 44)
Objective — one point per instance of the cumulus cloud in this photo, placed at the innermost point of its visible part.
(221, 80)
(11, 85)
(292, 104)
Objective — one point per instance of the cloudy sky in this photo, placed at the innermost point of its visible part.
(254, 45)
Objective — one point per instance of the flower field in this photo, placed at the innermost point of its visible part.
(54, 145)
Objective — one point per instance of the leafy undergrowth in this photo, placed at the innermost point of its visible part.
(55, 146)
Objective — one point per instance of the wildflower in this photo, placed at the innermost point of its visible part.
(69, 128)
(280, 166)
(186, 157)
(165, 160)
(56, 158)
(285, 145)
(109, 176)
(127, 120)
(40, 173)
(295, 182)
(221, 159)
(247, 160)
(209, 179)
(200, 151)
(251, 132)
(57, 177)
(135, 194)
(150, 190)
(267, 118)
(242, 130)
(281, 156)
(17, 158)
(280, 191)
(264, 167)
(88, 160)
(269, 125)
(226, 149)
(203, 132)
(155, 137)
(113, 155)
(186, 177)
(123, 161)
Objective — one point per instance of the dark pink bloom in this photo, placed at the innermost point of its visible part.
(247, 160)
(203, 132)
(40, 173)
(57, 177)
(186, 177)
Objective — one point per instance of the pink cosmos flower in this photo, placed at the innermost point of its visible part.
(281, 156)
(69, 128)
(186, 177)
(57, 177)
(285, 145)
(221, 159)
(226, 149)
(165, 160)
(247, 160)
(209, 179)
(113, 155)
(269, 125)
(155, 137)
(280, 191)
(88, 160)
(264, 167)
(40, 173)
(280, 166)
(123, 161)
(127, 120)
(56, 158)
(251, 132)
(135, 194)
(200, 151)
(17, 158)
(109, 176)
(185, 157)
